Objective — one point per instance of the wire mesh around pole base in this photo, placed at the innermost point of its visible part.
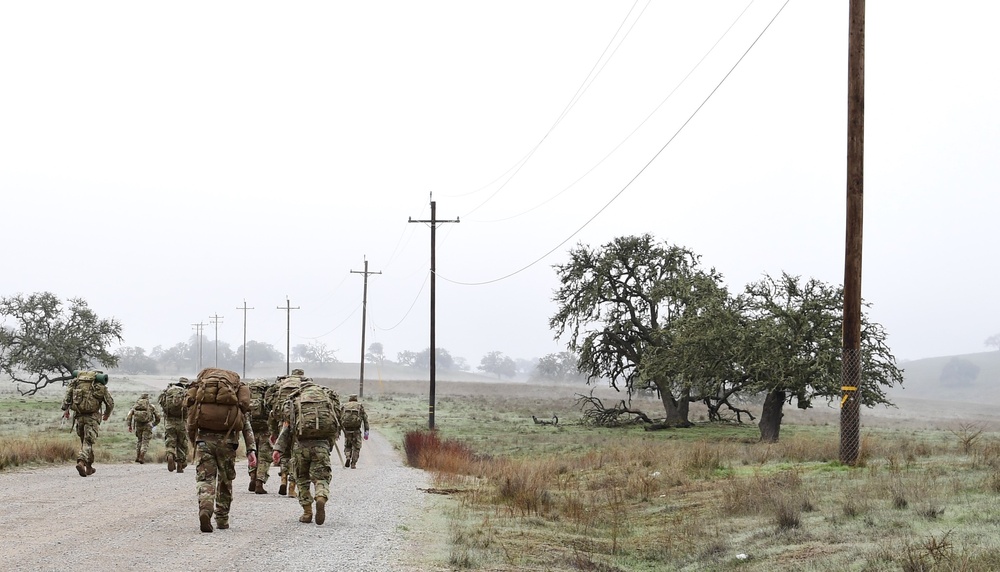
(850, 408)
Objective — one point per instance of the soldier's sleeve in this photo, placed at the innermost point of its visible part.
(109, 402)
(284, 439)
(156, 417)
(68, 398)
(128, 418)
(249, 442)
(364, 417)
(162, 399)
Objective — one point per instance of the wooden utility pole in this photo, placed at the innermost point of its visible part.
(244, 308)
(364, 321)
(215, 320)
(198, 328)
(433, 222)
(850, 404)
(288, 335)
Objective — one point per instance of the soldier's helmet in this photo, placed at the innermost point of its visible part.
(144, 396)
(353, 397)
(298, 372)
(183, 381)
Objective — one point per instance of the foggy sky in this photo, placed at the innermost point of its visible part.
(169, 162)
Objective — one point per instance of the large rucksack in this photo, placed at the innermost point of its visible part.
(86, 399)
(217, 401)
(351, 418)
(172, 400)
(142, 411)
(284, 389)
(316, 413)
(258, 406)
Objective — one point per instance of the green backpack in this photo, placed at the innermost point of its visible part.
(282, 392)
(172, 401)
(316, 413)
(352, 416)
(142, 411)
(258, 406)
(85, 393)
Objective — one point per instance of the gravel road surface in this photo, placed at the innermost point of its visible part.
(142, 517)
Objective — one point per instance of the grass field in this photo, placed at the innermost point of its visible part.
(521, 496)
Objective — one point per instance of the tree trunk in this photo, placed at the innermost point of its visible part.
(770, 416)
(676, 409)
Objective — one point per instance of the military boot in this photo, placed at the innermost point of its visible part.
(307, 513)
(137, 453)
(253, 485)
(347, 463)
(291, 489)
(81, 468)
(142, 457)
(320, 510)
(284, 485)
(205, 519)
(180, 468)
(259, 487)
(90, 469)
(171, 464)
(222, 522)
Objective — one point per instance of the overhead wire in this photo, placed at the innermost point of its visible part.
(636, 176)
(587, 81)
(633, 132)
(410, 309)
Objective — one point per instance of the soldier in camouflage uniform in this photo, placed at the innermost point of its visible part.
(175, 439)
(355, 419)
(310, 457)
(286, 468)
(262, 435)
(141, 419)
(87, 422)
(216, 470)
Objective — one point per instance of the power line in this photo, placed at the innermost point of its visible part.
(643, 169)
(288, 336)
(216, 320)
(364, 316)
(637, 127)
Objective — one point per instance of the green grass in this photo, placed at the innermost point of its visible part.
(576, 497)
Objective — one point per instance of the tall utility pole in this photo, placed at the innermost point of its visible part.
(198, 328)
(288, 336)
(215, 320)
(244, 308)
(364, 321)
(433, 222)
(850, 402)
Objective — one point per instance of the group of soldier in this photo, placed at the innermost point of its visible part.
(277, 428)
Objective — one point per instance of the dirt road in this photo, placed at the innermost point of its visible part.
(142, 517)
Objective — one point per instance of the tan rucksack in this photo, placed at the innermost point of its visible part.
(85, 393)
(217, 401)
(316, 413)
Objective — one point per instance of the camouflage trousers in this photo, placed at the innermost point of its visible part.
(352, 446)
(86, 430)
(286, 466)
(175, 440)
(143, 434)
(263, 439)
(216, 470)
(312, 465)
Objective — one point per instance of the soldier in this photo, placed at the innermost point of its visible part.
(86, 395)
(175, 439)
(353, 417)
(218, 404)
(275, 402)
(312, 423)
(259, 414)
(142, 418)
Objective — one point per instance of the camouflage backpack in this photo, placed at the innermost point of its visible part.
(142, 411)
(85, 393)
(283, 390)
(316, 413)
(172, 400)
(258, 406)
(352, 416)
(217, 401)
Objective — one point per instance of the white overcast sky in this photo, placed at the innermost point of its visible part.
(167, 161)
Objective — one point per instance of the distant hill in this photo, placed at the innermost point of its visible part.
(970, 378)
